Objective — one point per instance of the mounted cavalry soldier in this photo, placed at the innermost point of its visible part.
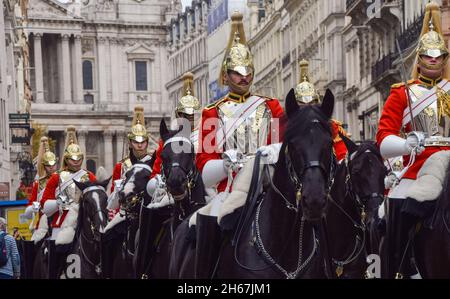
(46, 165)
(185, 113)
(60, 201)
(415, 124)
(232, 130)
(138, 153)
(153, 214)
(306, 94)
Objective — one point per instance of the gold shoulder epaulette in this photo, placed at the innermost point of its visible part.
(397, 85)
(215, 104)
(401, 84)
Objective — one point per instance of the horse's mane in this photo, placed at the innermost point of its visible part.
(302, 119)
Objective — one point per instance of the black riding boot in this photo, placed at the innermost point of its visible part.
(209, 240)
(28, 255)
(106, 255)
(401, 229)
(149, 229)
(53, 260)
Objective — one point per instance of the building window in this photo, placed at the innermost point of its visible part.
(88, 81)
(141, 75)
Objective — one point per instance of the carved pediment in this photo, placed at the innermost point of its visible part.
(140, 51)
(47, 9)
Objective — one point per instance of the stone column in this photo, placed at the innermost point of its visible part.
(78, 66)
(115, 70)
(82, 135)
(102, 84)
(120, 147)
(108, 157)
(38, 73)
(67, 85)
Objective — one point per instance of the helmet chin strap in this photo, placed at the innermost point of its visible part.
(435, 67)
(239, 89)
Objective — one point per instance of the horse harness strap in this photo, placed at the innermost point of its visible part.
(296, 179)
(93, 188)
(144, 166)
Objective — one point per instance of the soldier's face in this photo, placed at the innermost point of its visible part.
(74, 164)
(432, 72)
(139, 146)
(50, 169)
(240, 80)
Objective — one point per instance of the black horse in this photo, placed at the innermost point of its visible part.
(356, 194)
(277, 234)
(92, 219)
(119, 242)
(431, 243)
(184, 185)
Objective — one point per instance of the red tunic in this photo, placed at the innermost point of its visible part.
(33, 198)
(34, 193)
(391, 124)
(117, 172)
(207, 149)
(50, 193)
(339, 146)
(158, 161)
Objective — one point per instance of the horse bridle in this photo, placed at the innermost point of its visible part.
(135, 199)
(361, 200)
(191, 174)
(297, 179)
(95, 233)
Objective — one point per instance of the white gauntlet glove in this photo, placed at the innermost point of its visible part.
(270, 153)
(416, 142)
(232, 160)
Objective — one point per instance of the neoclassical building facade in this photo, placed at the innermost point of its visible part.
(187, 50)
(15, 92)
(93, 62)
(283, 32)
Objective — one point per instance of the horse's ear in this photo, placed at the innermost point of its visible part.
(163, 130)
(104, 183)
(291, 104)
(80, 185)
(351, 146)
(328, 104)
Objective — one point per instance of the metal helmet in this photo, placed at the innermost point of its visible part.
(188, 104)
(431, 42)
(72, 150)
(45, 156)
(138, 131)
(238, 56)
(305, 92)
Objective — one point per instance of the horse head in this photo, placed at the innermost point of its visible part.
(93, 213)
(367, 173)
(178, 162)
(133, 188)
(308, 151)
